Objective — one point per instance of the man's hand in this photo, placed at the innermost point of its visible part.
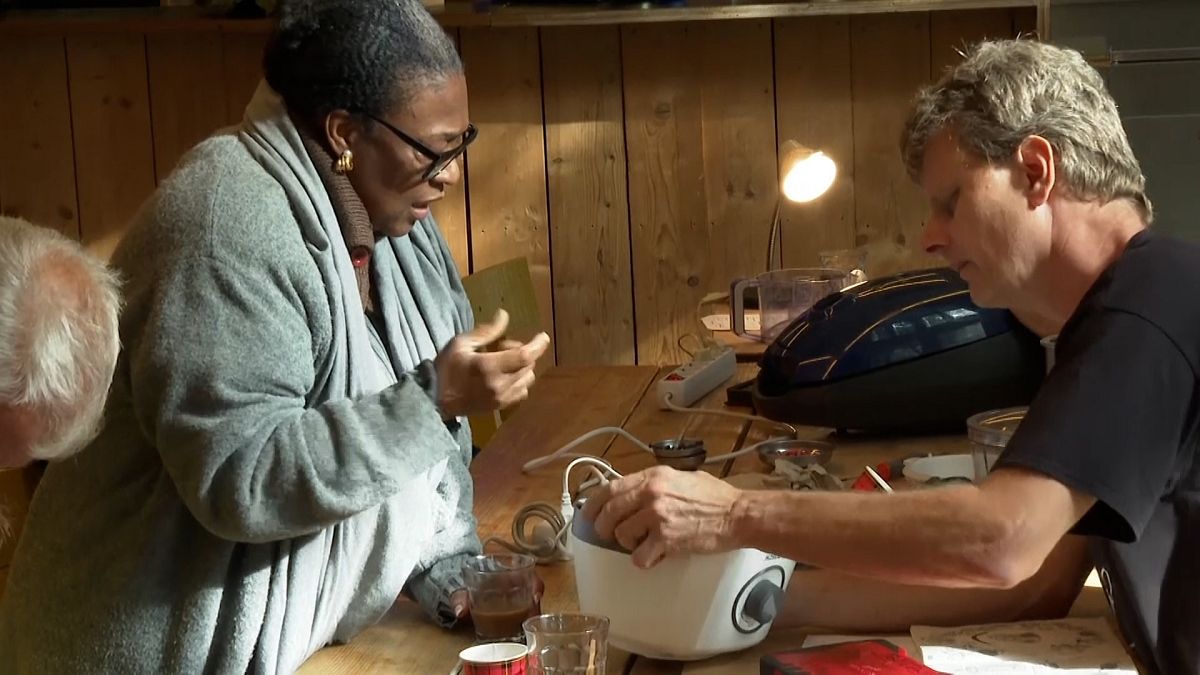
(471, 380)
(661, 511)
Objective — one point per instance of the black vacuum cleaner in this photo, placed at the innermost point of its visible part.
(905, 353)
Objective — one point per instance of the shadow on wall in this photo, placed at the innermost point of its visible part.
(885, 258)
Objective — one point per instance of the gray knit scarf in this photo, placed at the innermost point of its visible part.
(343, 579)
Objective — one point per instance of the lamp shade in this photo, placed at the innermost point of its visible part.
(806, 173)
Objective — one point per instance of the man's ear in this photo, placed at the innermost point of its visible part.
(341, 130)
(1035, 161)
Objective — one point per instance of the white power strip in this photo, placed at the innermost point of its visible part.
(690, 382)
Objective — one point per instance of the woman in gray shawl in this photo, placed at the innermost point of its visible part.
(285, 449)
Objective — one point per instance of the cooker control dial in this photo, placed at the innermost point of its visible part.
(758, 601)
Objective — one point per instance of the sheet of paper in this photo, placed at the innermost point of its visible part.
(1024, 648)
(716, 322)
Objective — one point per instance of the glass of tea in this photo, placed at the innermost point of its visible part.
(500, 588)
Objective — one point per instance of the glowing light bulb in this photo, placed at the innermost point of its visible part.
(809, 177)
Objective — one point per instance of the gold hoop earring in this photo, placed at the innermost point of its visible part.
(345, 162)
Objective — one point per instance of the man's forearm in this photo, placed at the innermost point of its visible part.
(944, 537)
(845, 602)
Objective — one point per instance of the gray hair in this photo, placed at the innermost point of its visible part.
(59, 339)
(363, 56)
(1007, 90)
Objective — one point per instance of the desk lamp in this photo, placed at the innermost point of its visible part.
(805, 174)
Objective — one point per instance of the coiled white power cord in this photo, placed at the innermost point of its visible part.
(547, 541)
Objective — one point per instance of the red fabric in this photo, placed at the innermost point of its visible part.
(847, 658)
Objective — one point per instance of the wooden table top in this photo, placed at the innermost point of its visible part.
(566, 403)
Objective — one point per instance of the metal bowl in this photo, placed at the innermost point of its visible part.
(687, 454)
(799, 452)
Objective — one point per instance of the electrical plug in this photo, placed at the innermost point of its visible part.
(543, 540)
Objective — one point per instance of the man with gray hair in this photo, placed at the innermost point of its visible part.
(1039, 203)
(58, 343)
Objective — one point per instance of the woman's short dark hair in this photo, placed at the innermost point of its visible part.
(364, 56)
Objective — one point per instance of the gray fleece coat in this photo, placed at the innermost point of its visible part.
(237, 513)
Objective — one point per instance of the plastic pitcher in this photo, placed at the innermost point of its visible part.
(783, 295)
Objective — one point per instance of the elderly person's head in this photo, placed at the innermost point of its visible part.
(58, 343)
(381, 85)
(1016, 130)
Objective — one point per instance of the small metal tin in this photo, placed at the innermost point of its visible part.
(687, 454)
(799, 452)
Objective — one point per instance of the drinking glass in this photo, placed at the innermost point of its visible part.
(500, 588)
(562, 644)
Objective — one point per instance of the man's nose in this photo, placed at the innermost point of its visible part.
(933, 235)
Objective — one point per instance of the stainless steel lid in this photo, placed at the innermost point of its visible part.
(801, 452)
(685, 454)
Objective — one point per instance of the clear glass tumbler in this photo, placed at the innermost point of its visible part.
(988, 433)
(500, 588)
(561, 644)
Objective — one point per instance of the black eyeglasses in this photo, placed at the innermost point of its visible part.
(440, 159)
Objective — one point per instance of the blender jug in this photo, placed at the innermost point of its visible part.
(783, 295)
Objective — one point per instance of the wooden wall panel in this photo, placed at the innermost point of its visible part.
(241, 56)
(889, 62)
(668, 214)
(110, 114)
(187, 93)
(814, 107)
(37, 158)
(952, 33)
(699, 102)
(589, 205)
(741, 174)
(451, 216)
(451, 213)
(508, 201)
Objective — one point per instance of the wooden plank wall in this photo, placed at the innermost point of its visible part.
(634, 167)
(37, 155)
(589, 199)
(92, 122)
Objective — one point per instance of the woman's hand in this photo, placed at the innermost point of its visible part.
(471, 380)
(460, 600)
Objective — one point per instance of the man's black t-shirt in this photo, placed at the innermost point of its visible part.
(1117, 419)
